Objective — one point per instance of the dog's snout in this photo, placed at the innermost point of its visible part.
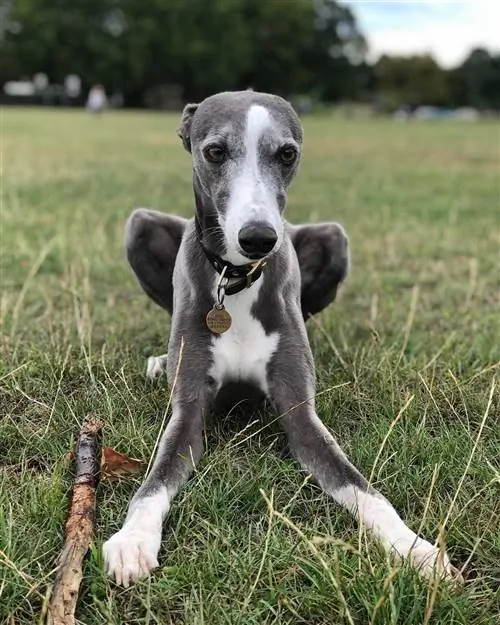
(257, 239)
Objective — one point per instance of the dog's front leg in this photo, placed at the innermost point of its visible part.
(291, 390)
(132, 552)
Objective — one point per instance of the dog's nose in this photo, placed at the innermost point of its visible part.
(257, 239)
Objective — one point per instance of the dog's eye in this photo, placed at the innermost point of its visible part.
(214, 153)
(288, 155)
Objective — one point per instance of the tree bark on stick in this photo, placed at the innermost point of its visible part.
(79, 526)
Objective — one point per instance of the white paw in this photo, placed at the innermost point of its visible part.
(156, 367)
(430, 561)
(131, 554)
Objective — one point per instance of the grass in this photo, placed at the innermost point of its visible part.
(249, 540)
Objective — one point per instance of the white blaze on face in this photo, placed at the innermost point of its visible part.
(252, 196)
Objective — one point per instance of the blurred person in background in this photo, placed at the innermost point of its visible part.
(97, 100)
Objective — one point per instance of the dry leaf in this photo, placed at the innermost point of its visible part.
(69, 456)
(115, 464)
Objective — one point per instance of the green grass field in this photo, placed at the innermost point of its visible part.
(406, 358)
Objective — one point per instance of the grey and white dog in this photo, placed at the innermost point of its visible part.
(240, 256)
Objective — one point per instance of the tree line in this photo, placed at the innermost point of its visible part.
(196, 47)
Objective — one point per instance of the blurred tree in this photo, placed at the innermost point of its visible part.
(412, 81)
(476, 82)
(284, 46)
(336, 53)
(309, 46)
(198, 47)
(61, 37)
(208, 46)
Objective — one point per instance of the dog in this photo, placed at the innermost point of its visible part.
(240, 283)
(152, 244)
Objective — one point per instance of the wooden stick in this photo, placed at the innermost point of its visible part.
(79, 526)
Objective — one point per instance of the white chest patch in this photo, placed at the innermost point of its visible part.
(244, 351)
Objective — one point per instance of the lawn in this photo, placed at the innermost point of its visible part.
(407, 359)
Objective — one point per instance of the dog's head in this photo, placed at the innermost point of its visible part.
(245, 148)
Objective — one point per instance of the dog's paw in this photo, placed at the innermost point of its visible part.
(131, 554)
(430, 561)
(156, 367)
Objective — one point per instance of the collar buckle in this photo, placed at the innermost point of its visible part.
(258, 265)
(221, 289)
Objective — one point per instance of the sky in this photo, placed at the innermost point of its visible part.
(448, 29)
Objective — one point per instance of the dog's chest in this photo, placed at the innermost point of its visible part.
(244, 351)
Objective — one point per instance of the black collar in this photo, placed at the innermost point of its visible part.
(247, 274)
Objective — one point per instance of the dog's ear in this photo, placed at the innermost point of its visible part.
(184, 132)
